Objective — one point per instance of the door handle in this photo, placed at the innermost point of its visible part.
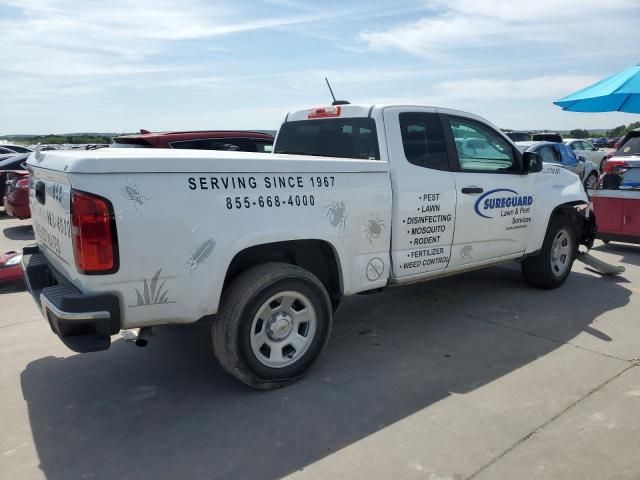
(469, 190)
(40, 192)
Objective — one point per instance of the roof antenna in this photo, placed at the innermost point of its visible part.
(335, 102)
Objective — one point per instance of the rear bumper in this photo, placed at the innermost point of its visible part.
(84, 323)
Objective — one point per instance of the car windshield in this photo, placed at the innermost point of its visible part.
(336, 137)
(630, 147)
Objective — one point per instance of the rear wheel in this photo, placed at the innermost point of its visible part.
(551, 267)
(274, 321)
(602, 162)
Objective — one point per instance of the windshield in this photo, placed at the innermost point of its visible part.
(630, 147)
(335, 137)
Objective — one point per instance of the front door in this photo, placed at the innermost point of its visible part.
(424, 193)
(494, 211)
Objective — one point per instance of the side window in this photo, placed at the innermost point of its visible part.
(480, 148)
(548, 154)
(423, 140)
(575, 146)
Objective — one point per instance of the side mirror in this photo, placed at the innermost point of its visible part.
(581, 159)
(531, 162)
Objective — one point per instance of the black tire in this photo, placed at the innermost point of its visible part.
(538, 270)
(232, 329)
(586, 181)
(602, 162)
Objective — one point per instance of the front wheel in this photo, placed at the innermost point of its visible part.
(591, 182)
(274, 321)
(550, 268)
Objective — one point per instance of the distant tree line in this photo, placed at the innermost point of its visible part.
(582, 133)
(59, 139)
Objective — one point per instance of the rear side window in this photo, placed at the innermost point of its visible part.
(228, 144)
(423, 140)
(335, 137)
(630, 147)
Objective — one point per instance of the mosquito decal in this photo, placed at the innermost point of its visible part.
(201, 254)
(336, 214)
(373, 228)
(153, 294)
(131, 192)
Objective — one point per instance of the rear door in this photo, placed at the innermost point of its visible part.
(494, 210)
(424, 192)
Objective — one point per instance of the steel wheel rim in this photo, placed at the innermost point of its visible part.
(592, 182)
(561, 252)
(283, 329)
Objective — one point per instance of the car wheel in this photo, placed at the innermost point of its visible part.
(602, 162)
(274, 321)
(591, 182)
(551, 267)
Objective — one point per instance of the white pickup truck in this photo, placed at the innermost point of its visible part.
(354, 199)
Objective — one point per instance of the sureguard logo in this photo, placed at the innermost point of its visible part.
(500, 198)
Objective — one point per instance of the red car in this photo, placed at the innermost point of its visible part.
(616, 206)
(244, 141)
(10, 268)
(16, 195)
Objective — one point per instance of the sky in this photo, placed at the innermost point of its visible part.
(118, 66)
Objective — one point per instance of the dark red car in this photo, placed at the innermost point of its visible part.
(16, 195)
(243, 141)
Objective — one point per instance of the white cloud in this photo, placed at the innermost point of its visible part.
(477, 24)
(546, 86)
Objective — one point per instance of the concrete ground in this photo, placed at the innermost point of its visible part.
(474, 376)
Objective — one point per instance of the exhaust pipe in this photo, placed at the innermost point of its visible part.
(139, 336)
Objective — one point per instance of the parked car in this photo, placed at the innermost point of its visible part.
(16, 148)
(628, 153)
(547, 137)
(10, 268)
(6, 153)
(560, 154)
(519, 136)
(12, 163)
(582, 148)
(241, 141)
(271, 243)
(599, 142)
(612, 142)
(616, 206)
(16, 195)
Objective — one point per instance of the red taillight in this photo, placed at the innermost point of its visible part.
(321, 112)
(95, 244)
(613, 165)
(22, 184)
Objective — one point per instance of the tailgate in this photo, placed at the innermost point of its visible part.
(50, 202)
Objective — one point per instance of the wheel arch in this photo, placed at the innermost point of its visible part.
(568, 209)
(317, 256)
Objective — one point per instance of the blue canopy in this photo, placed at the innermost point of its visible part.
(617, 93)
